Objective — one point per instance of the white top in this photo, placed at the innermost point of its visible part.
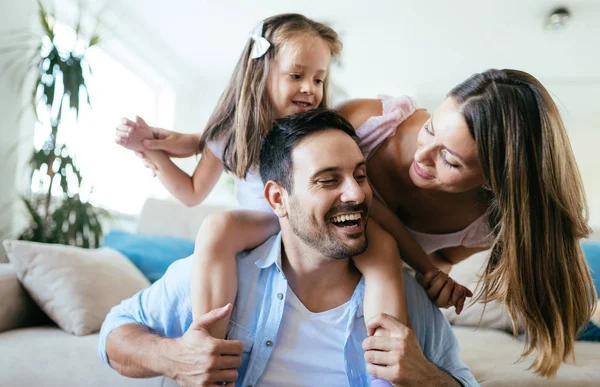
(249, 191)
(308, 341)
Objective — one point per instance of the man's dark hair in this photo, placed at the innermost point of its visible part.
(286, 133)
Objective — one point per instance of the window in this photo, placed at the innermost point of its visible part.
(113, 177)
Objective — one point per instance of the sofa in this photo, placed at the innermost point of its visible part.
(36, 352)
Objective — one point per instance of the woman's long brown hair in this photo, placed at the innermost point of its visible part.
(538, 212)
(244, 114)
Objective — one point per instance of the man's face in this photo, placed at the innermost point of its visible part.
(330, 199)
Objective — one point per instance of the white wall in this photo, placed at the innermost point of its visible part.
(16, 122)
(578, 102)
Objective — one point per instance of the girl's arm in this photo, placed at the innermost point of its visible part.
(214, 272)
(139, 136)
(190, 190)
(410, 251)
(439, 287)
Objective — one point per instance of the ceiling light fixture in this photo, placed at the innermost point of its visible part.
(557, 19)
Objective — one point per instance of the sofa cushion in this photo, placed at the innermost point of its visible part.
(152, 254)
(493, 358)
(50, 357)
(75, 287)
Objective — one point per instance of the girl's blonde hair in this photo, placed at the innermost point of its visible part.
(244, 113)
(538, 211)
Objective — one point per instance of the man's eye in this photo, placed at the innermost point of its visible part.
(329, 181)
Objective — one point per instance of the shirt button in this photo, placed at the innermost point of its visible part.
(280, 296)
(269, 343)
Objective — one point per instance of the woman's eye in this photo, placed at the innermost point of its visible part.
(295, 76)
(447, 163)
(318, 81)
(426, 128)
(361, 178)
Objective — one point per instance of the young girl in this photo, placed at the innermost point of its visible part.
(283, 70)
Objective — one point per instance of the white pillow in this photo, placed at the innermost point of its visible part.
(75, 287)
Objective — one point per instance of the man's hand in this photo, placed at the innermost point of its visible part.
(399, 358)
(199, 359)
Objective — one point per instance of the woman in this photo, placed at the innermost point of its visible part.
(492, 167)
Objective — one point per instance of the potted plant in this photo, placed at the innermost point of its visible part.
(58, 215)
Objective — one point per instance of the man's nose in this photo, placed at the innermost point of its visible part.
(352, 192)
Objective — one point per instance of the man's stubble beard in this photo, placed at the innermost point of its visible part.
(307, 229)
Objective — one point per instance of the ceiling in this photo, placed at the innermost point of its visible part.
(390, 47)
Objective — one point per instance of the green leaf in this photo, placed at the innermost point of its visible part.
(95, 39)
(44, 20)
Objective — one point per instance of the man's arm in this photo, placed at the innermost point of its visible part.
(134, 351)
(163, 308)
(148, 335)
(194, 359)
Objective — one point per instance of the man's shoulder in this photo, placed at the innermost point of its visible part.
(425, 317)
(260, 258)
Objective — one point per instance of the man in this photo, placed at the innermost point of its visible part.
(297, 319)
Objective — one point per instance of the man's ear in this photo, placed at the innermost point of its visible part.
(274, 193)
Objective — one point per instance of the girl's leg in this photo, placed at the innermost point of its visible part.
(381, 267)
(214, 271)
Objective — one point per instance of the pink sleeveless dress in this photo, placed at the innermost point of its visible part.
(374, 132)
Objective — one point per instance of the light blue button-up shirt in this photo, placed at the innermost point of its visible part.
(165, 308)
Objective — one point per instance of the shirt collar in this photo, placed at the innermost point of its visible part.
(270, 253)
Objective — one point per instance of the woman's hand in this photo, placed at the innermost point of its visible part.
(130, 134)
(443, 290)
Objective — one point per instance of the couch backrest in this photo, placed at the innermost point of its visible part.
(169, 217)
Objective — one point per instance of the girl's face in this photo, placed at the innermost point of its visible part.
(446, 158)
(297, 76)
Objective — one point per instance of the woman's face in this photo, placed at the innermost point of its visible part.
(446, 158)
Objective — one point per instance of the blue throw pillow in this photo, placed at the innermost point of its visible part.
(150, 253)
(591, 250)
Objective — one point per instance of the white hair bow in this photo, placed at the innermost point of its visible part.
(261, 45)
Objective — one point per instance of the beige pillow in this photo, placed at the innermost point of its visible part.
(495, 314)
(75, 287)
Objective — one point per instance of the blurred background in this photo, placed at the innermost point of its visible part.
(169, 61)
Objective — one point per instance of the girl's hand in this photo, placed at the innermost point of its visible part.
(443, 290)
(174, 144)
(138, 136)
(131, 134)
(147, 163)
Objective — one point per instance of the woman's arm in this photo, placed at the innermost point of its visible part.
(190, 190)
